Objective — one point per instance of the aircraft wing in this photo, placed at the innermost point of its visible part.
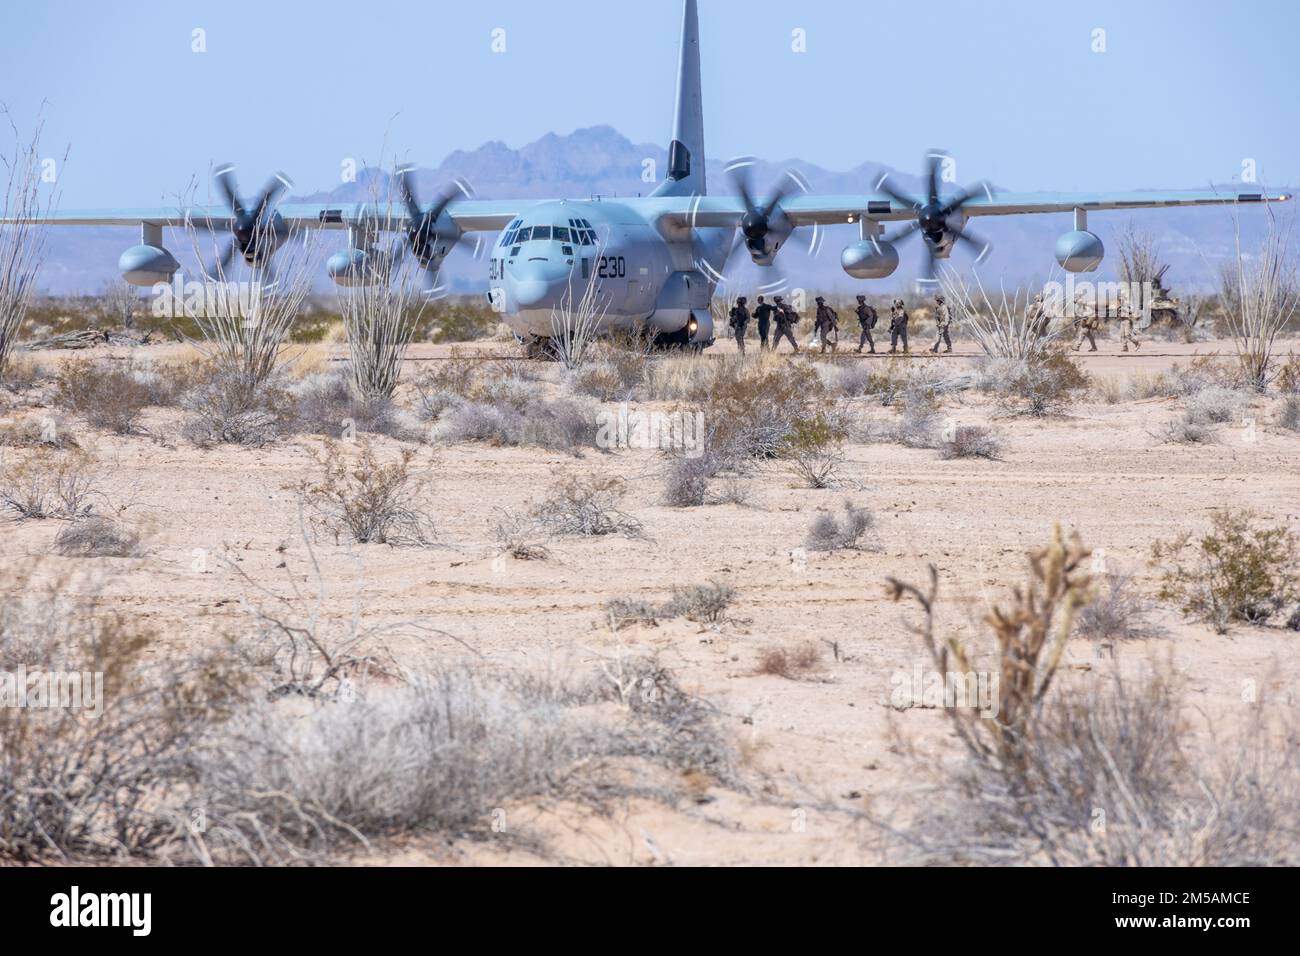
(807, 210)
(471, 215)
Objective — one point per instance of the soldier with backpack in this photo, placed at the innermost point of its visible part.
(867, 321)
(897, 326)
(786, 318)
(740, 322)
(827, 326)
(763, 315)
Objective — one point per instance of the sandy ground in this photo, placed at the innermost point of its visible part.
(820, 750)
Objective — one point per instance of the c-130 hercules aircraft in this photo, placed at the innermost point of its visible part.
(653, 262)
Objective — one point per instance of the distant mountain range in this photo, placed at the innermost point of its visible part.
(601, 161)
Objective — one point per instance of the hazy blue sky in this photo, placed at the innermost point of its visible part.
(1184, 92)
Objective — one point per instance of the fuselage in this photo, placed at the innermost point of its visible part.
(555, 255)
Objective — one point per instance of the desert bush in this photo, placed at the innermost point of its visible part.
(850, 531)
(329, 405)
(813, 448)
(22, 374)
(227, 407)
(587, 507)
(1260, 294)
(95, 536)
(688, 479)
(168, 383)
(1207, 371)
(1045, 384)
(1118, 612)
(1288, 376)
(626, 612)
(105, 394)
(49, 483)
(1237, 572)
(1215, 405)
(33, 430)
(518, 536)
(1289, 414)
(792, 663)
(751, 408)
(971, 441)
(1109, 389)
(702, 603)
(1183, 431)
(614, 375)
(370, 501)
(108, 780)
(560, 425)
(1144, 385)
(919, 422)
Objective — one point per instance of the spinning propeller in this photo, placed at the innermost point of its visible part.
(429, 243)
(933, 213)
(257, 230)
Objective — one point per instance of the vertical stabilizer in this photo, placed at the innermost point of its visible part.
(686, 152)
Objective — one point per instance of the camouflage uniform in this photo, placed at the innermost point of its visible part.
(740, 322)
(1038, 318)
(1126, 323)
(763, 315)
(786, 317)
(867, 321)
(942, 320)
(828, 326)
(897, 326)
(1086, 321)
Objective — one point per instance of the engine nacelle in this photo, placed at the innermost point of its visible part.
(357, 267)
(146, 265)
(869, 259)
(1079, 251)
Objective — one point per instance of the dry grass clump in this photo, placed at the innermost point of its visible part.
(518, 535)
(1215, 405)
(1289, 415)
(1118, 612)
(228, 407)
(1207, 371)
(22, 374)
(813, 449)
(560, 425)
(613, 374)
(972, 441)
(701, 603)
(586, 507)
(1043, 384)
(851, 531)
(103, 772)
(36, 430)
(105, 394)
(370, 501)
(96, 536)
(1183, 431)
(1237, 572)
(1145, 385)
(793, 663)
(50, 483)
(328, 404)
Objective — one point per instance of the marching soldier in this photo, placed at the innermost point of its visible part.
(763, 314)
(1086, 321)
(867, 321)
(828, 326)
(785, 317)
(942, 320)
(1126, 322)
(897, 326)
(740, 322)
(1038, 318)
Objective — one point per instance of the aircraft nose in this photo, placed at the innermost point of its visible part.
(538, 284)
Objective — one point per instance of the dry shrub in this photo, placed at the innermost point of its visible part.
(1215, 405)
(1207, 371)
(701, 603)
(95, 536)
(105, 394)
(23, 374)
(586, 506)
(972, 441)
(34, 431)
(1289, 414)
(329, 405)
(850, 531)
(1288, 376)
(1183, 431)
(116, 786)
(228, 407)
(813, 448)
(1237, 572)
(792, 663)
(613, 375)
(1046, 384)
(518, 536)
(370, 501)
(560, 425)
(48, 483)
(1144, 385)
(751, 408)
(1119, 612)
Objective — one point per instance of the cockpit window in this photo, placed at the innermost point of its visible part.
(562, 233)
(541, 232)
